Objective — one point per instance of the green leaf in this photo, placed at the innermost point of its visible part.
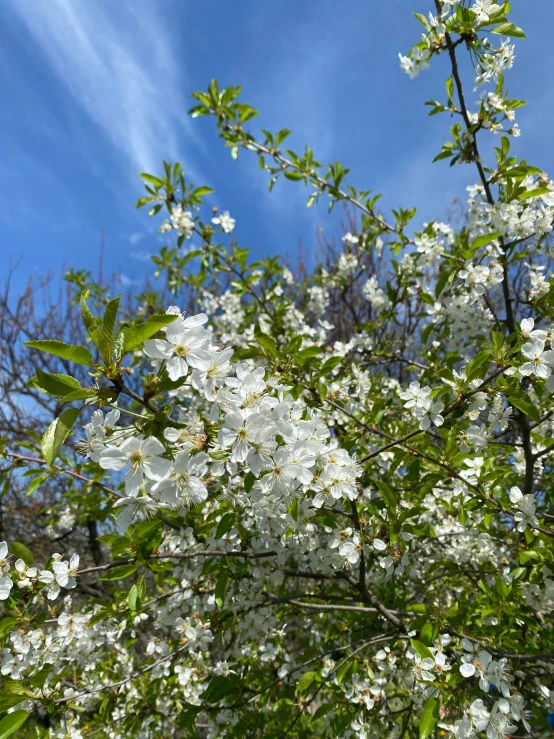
(388, 495)
(110, 315)
(219, 688)
(528, 556)
(225, 525)
(39, 678)
(521, 170)
(423, 651)
(344, 671)
(267, 343)
(89, 320)
(478, 365)
(104, 341)
(148, 535)
(9, 700)
(78, 354)
(136, 335)
(305, 682)
(221, 588)
(293, 509)
(119, 573)
(20, 551)
(155, 209)
(249, 480)
(324, 709)
(423, 20)
(153, 180)
(118, 340)
(304, 355)
(330, 365)
(497, 340)
(450, 88)
(187, 719)
(484, 240)
(523, 402)
(326, 518)
(442, 279)
(429, 718)
(80, 394)
(294, 345)
(534, 193)
(417, 608)
(509, 29)
(145, 199)
(36, 483)
(322, 389)
(7, 625)
(428, 633)
(132, 598)
(106, 708)
(248, 352)
(55, 384)
(12, 722)
(57, 433)
(203, 190)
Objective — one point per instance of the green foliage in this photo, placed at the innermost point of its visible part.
(12, 722)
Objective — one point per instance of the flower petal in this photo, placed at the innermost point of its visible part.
(467, 669)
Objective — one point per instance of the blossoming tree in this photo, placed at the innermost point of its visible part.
(325, 504)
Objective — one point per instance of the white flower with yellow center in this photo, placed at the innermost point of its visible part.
(183, 338)
(141, 457)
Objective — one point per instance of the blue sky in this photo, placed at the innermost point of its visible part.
(94, 91)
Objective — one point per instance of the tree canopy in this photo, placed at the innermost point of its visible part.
(267, 500)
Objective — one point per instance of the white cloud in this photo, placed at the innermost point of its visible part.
(142, 256)
(117, 62)
(136, 237)
(127, 281)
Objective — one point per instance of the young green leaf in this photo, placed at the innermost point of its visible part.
(119, 573)
(484, 240)
(509, 29)
(429, 718)
(89, 321)
(8, 624)
(110, 315)
(221, 588)
(305, 682)
(225, 525)
(20, 551)
(132, 598)
(421, 649)
(12, 722)
(78, 354)
(57, 433)
(523, 402)
(137, 335)
(54, 383)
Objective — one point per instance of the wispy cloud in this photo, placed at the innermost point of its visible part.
(134, 238)
(117, 62)
(142, 256)
(127, 281)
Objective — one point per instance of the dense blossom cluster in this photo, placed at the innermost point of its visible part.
(325, 504)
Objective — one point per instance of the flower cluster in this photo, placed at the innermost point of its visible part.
(318, 503)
